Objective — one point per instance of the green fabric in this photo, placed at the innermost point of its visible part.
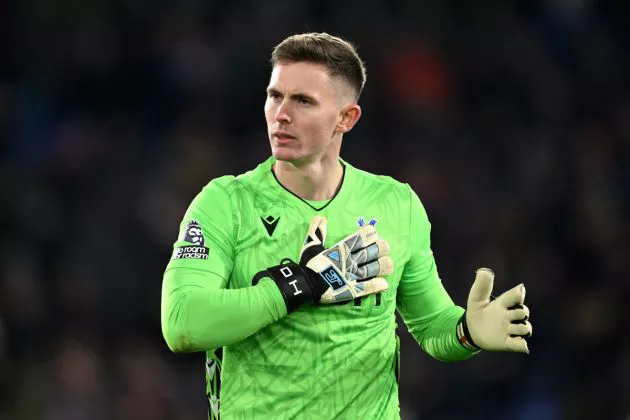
(423, 303)
(325, 361)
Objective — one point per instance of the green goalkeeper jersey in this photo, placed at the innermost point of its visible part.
(321, 361)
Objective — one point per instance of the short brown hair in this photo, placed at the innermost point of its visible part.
(338, 55)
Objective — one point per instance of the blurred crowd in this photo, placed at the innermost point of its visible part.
(510, 120)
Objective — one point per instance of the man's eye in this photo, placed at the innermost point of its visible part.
(303, 101)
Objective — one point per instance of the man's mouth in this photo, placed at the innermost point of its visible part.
(282, 135)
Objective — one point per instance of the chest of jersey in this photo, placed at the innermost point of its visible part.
(271, 231)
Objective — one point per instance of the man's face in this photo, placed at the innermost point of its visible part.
(303, 109)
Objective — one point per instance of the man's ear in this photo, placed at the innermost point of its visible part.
(348, 117)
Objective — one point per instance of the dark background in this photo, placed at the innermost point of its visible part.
(510, 120)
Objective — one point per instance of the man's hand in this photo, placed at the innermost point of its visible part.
(351, 268)
(499, 324)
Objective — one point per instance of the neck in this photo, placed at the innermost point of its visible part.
(317, 180)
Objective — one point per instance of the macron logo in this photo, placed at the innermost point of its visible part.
(270, 223)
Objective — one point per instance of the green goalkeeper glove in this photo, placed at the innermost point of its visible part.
(499, 324)
(349, 269)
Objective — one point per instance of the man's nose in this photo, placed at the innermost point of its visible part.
(283, 113)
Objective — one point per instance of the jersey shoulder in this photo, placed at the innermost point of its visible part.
(385, 186)
(235, 194)
(247, 182)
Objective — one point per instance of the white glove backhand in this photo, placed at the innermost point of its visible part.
(351, 268)
(500, 324)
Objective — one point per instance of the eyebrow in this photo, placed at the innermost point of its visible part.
(294, 96)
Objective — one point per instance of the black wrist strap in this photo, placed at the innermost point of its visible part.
(292, 282)
(463, 335)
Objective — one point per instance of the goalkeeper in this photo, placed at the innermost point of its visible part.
(289, 276)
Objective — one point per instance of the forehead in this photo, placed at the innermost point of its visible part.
(302, 76)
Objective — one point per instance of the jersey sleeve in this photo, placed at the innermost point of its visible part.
(424, 304)
(206, 234)
(197, 311)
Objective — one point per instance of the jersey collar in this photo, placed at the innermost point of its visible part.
(343, 185)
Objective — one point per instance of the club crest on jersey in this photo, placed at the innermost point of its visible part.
(193, 233)
(361, 221)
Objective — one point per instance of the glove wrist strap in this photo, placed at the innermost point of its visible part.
(293, 284)
(463, 335)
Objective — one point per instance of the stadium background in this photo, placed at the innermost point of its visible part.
(510, 120)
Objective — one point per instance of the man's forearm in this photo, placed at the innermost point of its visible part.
(196, 317)
(437, 335)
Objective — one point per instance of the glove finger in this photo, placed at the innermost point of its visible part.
(380, 267)
(519, 314)
(314, 241)
(317, 230)
(368, 287)
(386, 265)
(482, 287)
(354, 290)
(371, 252)
(362, 238)
(517, 344)
(519, 329)
(514, 296)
